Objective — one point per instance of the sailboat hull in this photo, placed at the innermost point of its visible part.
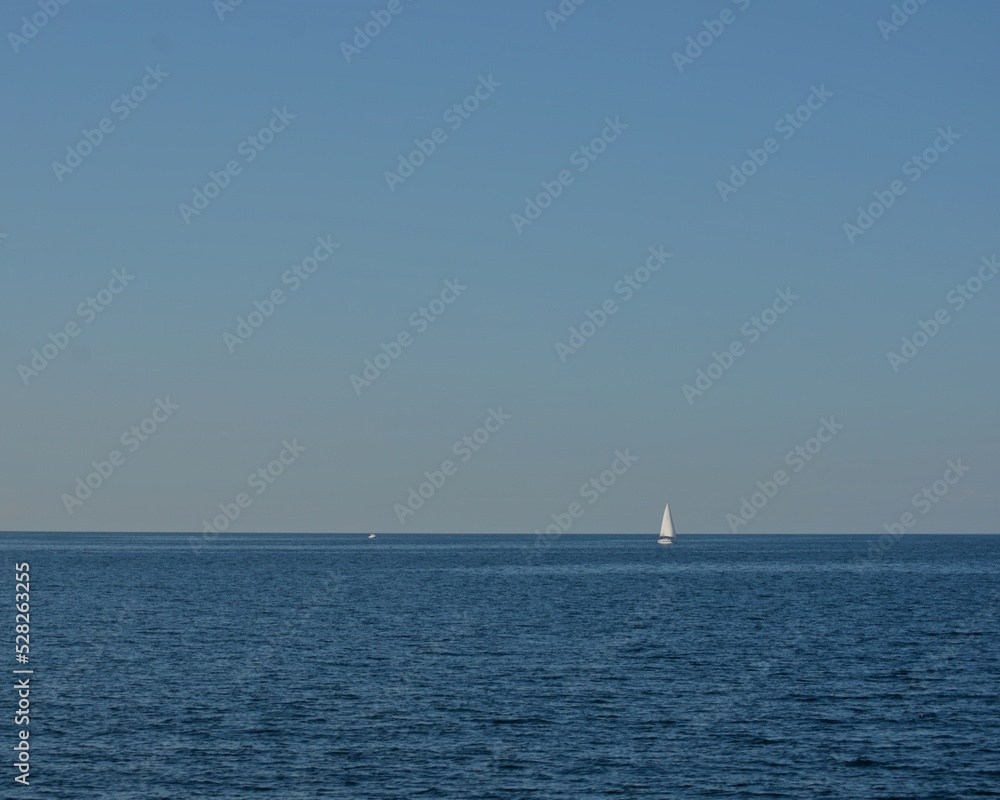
(664, 541)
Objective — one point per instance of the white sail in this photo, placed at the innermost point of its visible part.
(667, 528)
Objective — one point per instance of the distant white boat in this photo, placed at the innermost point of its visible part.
(667, 535)
(371, 535)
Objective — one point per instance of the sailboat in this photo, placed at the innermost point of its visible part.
(371, 535)
(666, 528)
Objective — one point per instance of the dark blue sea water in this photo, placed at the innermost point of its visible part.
(484, 667)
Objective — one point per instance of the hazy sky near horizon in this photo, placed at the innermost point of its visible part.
(447, 255)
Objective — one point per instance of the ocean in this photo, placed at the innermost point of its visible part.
(577, 667)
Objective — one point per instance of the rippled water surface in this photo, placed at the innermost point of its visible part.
(486, 667)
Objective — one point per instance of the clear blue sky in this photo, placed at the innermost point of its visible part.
(544, 93)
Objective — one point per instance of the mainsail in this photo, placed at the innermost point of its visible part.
(667, 528)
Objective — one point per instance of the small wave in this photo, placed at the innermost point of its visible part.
(860, 762)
